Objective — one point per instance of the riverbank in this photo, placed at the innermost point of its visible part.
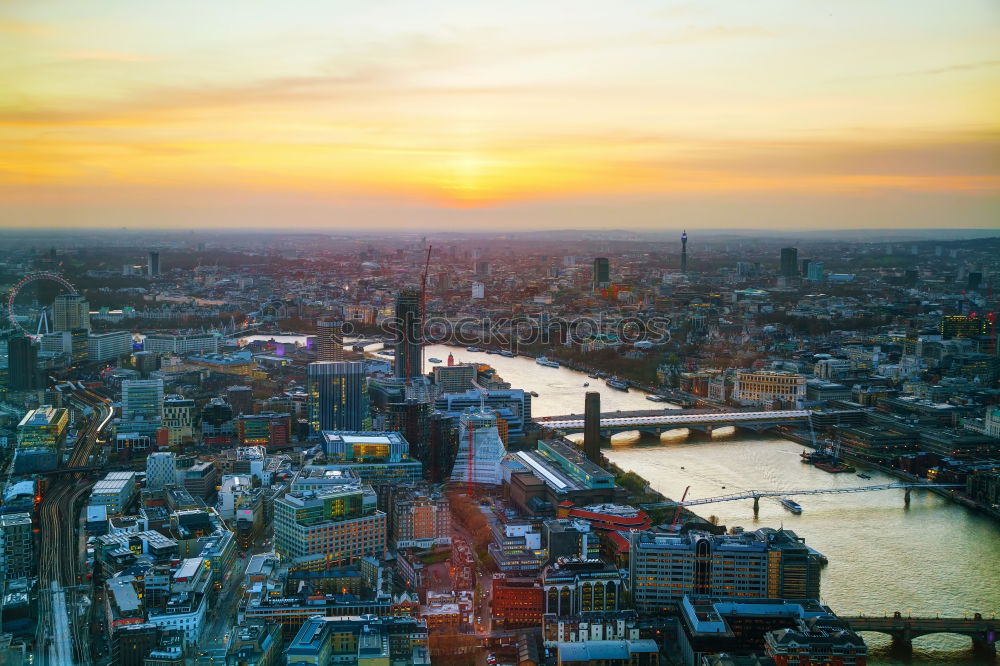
(805, 439)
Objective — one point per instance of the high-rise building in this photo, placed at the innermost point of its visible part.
(153, 265)
(480, 449)
(338, 396)
(340, 524)
(22, 364)
(142, 400)
(70, 311)
(602, 272)
(161, 470)
(815, 273)
(975, 280)
(329, 340)
(684, 252)
(789, 261)
(16, 542)
(765, 563)
(409, 331)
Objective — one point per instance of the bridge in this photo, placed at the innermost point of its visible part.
(903, 630)
(755, 495)
(658, 422)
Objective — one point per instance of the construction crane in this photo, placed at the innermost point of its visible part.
(677, 513)
(423, 312)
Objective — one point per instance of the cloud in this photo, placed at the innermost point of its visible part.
(933, 71)
(108, 56)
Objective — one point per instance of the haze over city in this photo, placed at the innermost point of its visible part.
(514, 116)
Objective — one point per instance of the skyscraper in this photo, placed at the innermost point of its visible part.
(684, 252)
(789, 261)
(602, 272)
(70, 311)
(329, 340)
(338, 396)
(153, 265)
(409, 324)
(22, 364)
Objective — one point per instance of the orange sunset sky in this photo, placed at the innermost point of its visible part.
(634, 114)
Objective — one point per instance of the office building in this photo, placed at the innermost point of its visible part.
(642, 652)
(556, 472)
(181, 344)
(329, 340)
(455, 378)
(178, 417)
(17, 542)
(115, 491)
(744, 627)
(338, 396)
(161, 470)
(109, 346)
(217, 427)
(402, 406)
(70, 311)
(579, 586)
(602, 273)
(142, 406)
(22, 365)
(359, 641)
(419, 518)
(764, 563)
(516, 602)
(513, 405)
(409, 358)
(153, 264)
(377, 458)
(340, 524)
(964, 326)
(770, 389)
(269, 429)
(815, 273)
(480, 449)
(789, 262)
(43, 428)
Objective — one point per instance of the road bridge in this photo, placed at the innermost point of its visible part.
(982, 631)
(659, 421)
(755, 495)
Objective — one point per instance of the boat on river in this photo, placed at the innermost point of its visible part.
(791, 505)
(507, 353)
(542, 360)
(434, 360)
(617, 384)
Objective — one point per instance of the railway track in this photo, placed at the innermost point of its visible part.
(61, 638)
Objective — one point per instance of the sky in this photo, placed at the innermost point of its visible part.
(468, 114)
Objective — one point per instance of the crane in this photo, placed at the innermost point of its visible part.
(677, 513)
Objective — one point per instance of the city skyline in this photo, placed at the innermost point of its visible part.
(515, 117)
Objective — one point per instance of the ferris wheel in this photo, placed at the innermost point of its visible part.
(34, 277)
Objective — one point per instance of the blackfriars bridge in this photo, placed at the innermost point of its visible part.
(903, 629)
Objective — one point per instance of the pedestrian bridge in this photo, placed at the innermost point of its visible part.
(904, 629)
(660, 421)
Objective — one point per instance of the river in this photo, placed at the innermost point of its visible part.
(933, 557)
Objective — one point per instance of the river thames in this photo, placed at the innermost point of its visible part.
(933, 557)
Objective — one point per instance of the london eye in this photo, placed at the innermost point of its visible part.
(43, 315)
